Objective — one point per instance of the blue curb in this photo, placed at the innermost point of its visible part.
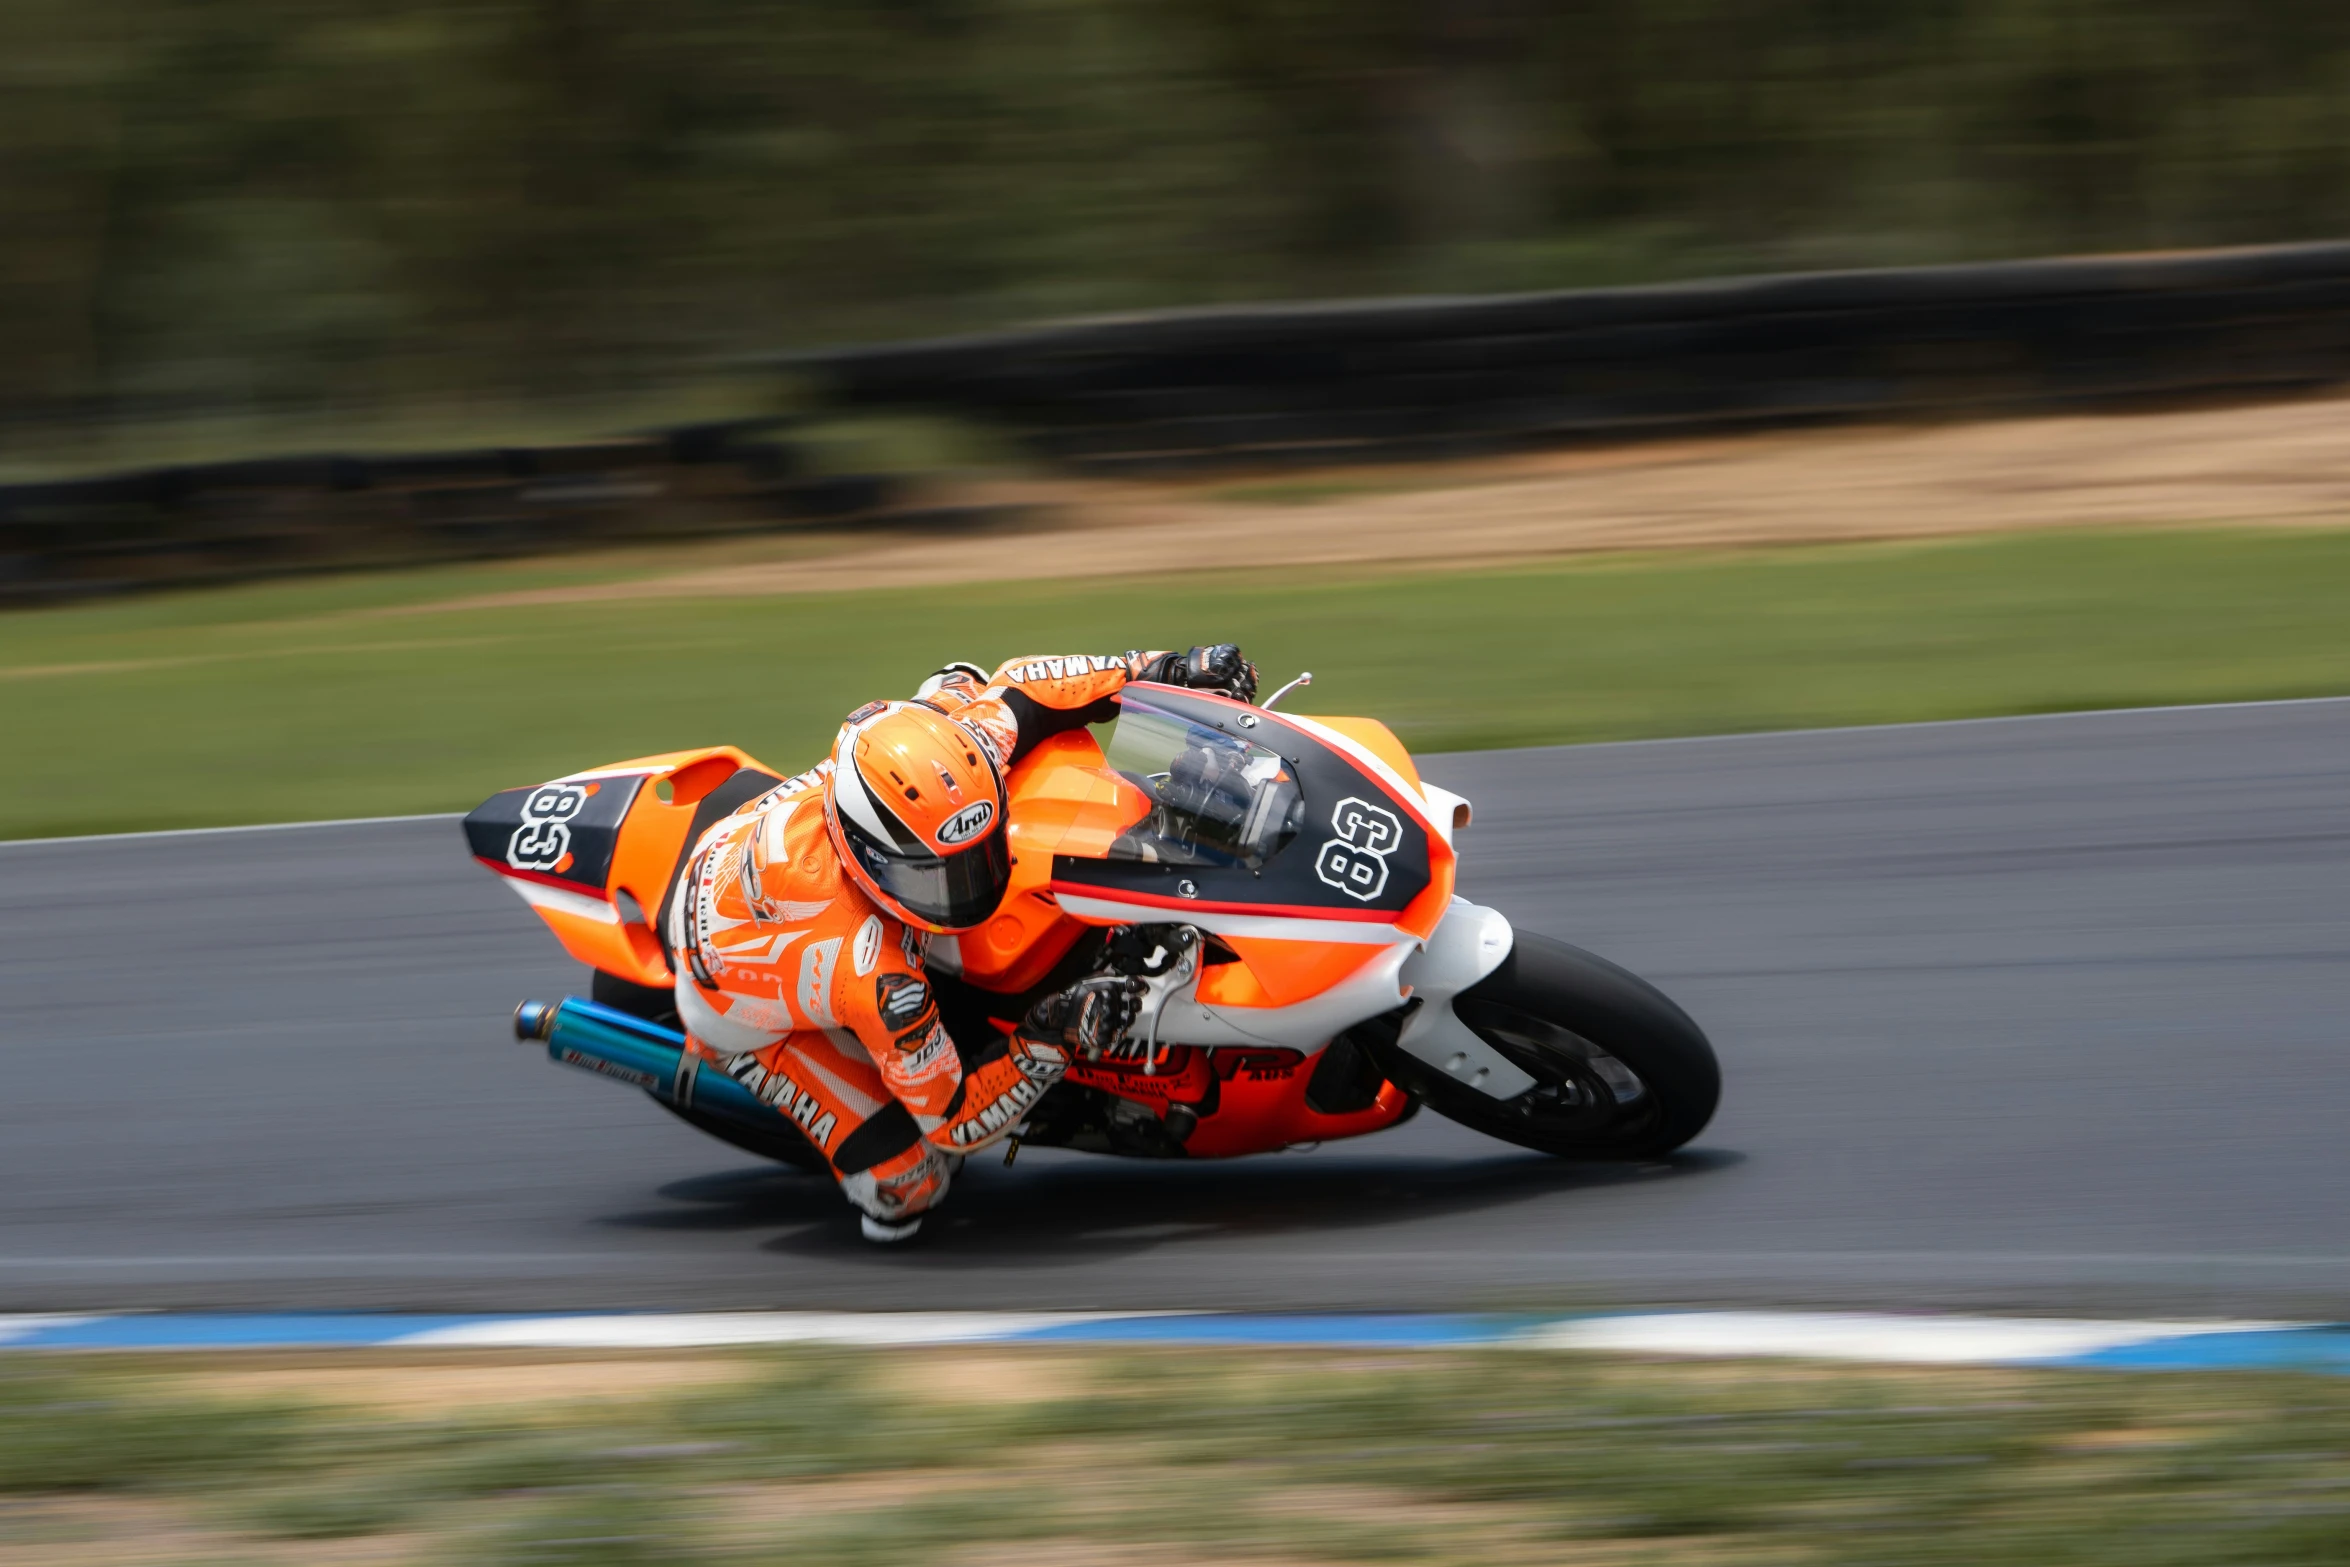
(1908, 1339)
(2265, 1349)
(204, 1330)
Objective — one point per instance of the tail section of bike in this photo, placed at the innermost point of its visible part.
(597, 853)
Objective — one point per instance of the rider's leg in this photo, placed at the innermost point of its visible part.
(824, 1082)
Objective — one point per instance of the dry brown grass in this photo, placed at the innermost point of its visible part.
(1003, 1456)
(124, 1531)
(2270, 464)
(429, 1390)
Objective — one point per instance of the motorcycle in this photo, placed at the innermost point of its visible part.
(1281, 885)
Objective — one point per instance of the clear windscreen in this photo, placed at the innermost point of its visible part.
(1216, 800)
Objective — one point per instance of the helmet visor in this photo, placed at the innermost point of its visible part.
(954, 893)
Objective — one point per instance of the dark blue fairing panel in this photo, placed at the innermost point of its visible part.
(559, 831)
(1355, 850)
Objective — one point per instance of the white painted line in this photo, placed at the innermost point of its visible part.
(202, 832)
(710, 1329)
(1432, 756)
(1825, 1335)
(1849, 1337)
(1917, 723)
(24, 1325)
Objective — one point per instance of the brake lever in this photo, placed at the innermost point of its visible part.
(1305, 679)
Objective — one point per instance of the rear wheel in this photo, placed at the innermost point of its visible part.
(653, 1003)
(1619, 1071)
(784, 1142)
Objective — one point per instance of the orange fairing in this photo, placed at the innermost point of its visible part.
(611, 928)
(1246, 1100)
(1066, 800)
(625, 948)
(1274, 973)
(1421, 915)
(1376, 738)
(1063, 800)
(1424, 913)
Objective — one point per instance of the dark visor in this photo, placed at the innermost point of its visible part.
(956, 893)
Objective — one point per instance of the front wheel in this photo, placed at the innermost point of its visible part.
(1619, 1071)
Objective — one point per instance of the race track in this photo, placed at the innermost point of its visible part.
(2043, 1013)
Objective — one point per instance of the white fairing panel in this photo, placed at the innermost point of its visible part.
(1470, 943)
(1447, 810)
(1368, 991)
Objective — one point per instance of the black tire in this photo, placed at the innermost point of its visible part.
(784, 1142)
(653, 1003)
(1620, 1071)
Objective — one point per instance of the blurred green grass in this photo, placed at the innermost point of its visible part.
(874, 1459)
(383, 695)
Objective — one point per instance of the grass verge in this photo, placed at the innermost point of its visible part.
(383, 695)
(859, 1459)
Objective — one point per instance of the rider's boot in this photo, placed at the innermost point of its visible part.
(894, 1194)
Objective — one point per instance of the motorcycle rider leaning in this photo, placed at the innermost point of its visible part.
(799, 926)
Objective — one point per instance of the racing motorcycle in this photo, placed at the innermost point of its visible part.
(1281, 885)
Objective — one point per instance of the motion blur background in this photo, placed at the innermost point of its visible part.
(324, 329)
(272, 204)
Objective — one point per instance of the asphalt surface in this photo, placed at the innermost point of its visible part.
(2043, 1013)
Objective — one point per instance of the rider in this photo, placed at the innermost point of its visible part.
(799, 927)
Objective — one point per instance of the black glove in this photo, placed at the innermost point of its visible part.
(1089, 1016)
(1217, 667)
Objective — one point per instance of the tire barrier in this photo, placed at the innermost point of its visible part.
(1271, 386)
(1426, 378)
(238, 521)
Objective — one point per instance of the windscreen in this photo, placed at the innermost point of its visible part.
(1216, 799)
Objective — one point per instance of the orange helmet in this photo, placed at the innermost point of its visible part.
(916, 809)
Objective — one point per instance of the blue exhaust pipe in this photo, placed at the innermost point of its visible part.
(627, 1049)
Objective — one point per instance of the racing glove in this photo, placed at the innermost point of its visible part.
(964, 678)
(1216, 667)
(1089, 1016)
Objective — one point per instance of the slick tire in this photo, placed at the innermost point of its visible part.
(1620, 1071)
(783, 1144)
(653, 1003)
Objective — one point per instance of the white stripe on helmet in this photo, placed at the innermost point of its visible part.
(849, 795)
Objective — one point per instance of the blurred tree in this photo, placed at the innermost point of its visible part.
(256, 202)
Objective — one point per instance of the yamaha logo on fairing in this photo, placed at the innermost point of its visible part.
(967, 823)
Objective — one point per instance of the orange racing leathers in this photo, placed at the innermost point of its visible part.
(794, 982)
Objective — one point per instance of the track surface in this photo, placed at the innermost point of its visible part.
(2031, 1013)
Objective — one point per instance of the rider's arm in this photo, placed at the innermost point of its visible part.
(1029, 700)
(894, 1014)
(880, 993)
(1043, 697)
